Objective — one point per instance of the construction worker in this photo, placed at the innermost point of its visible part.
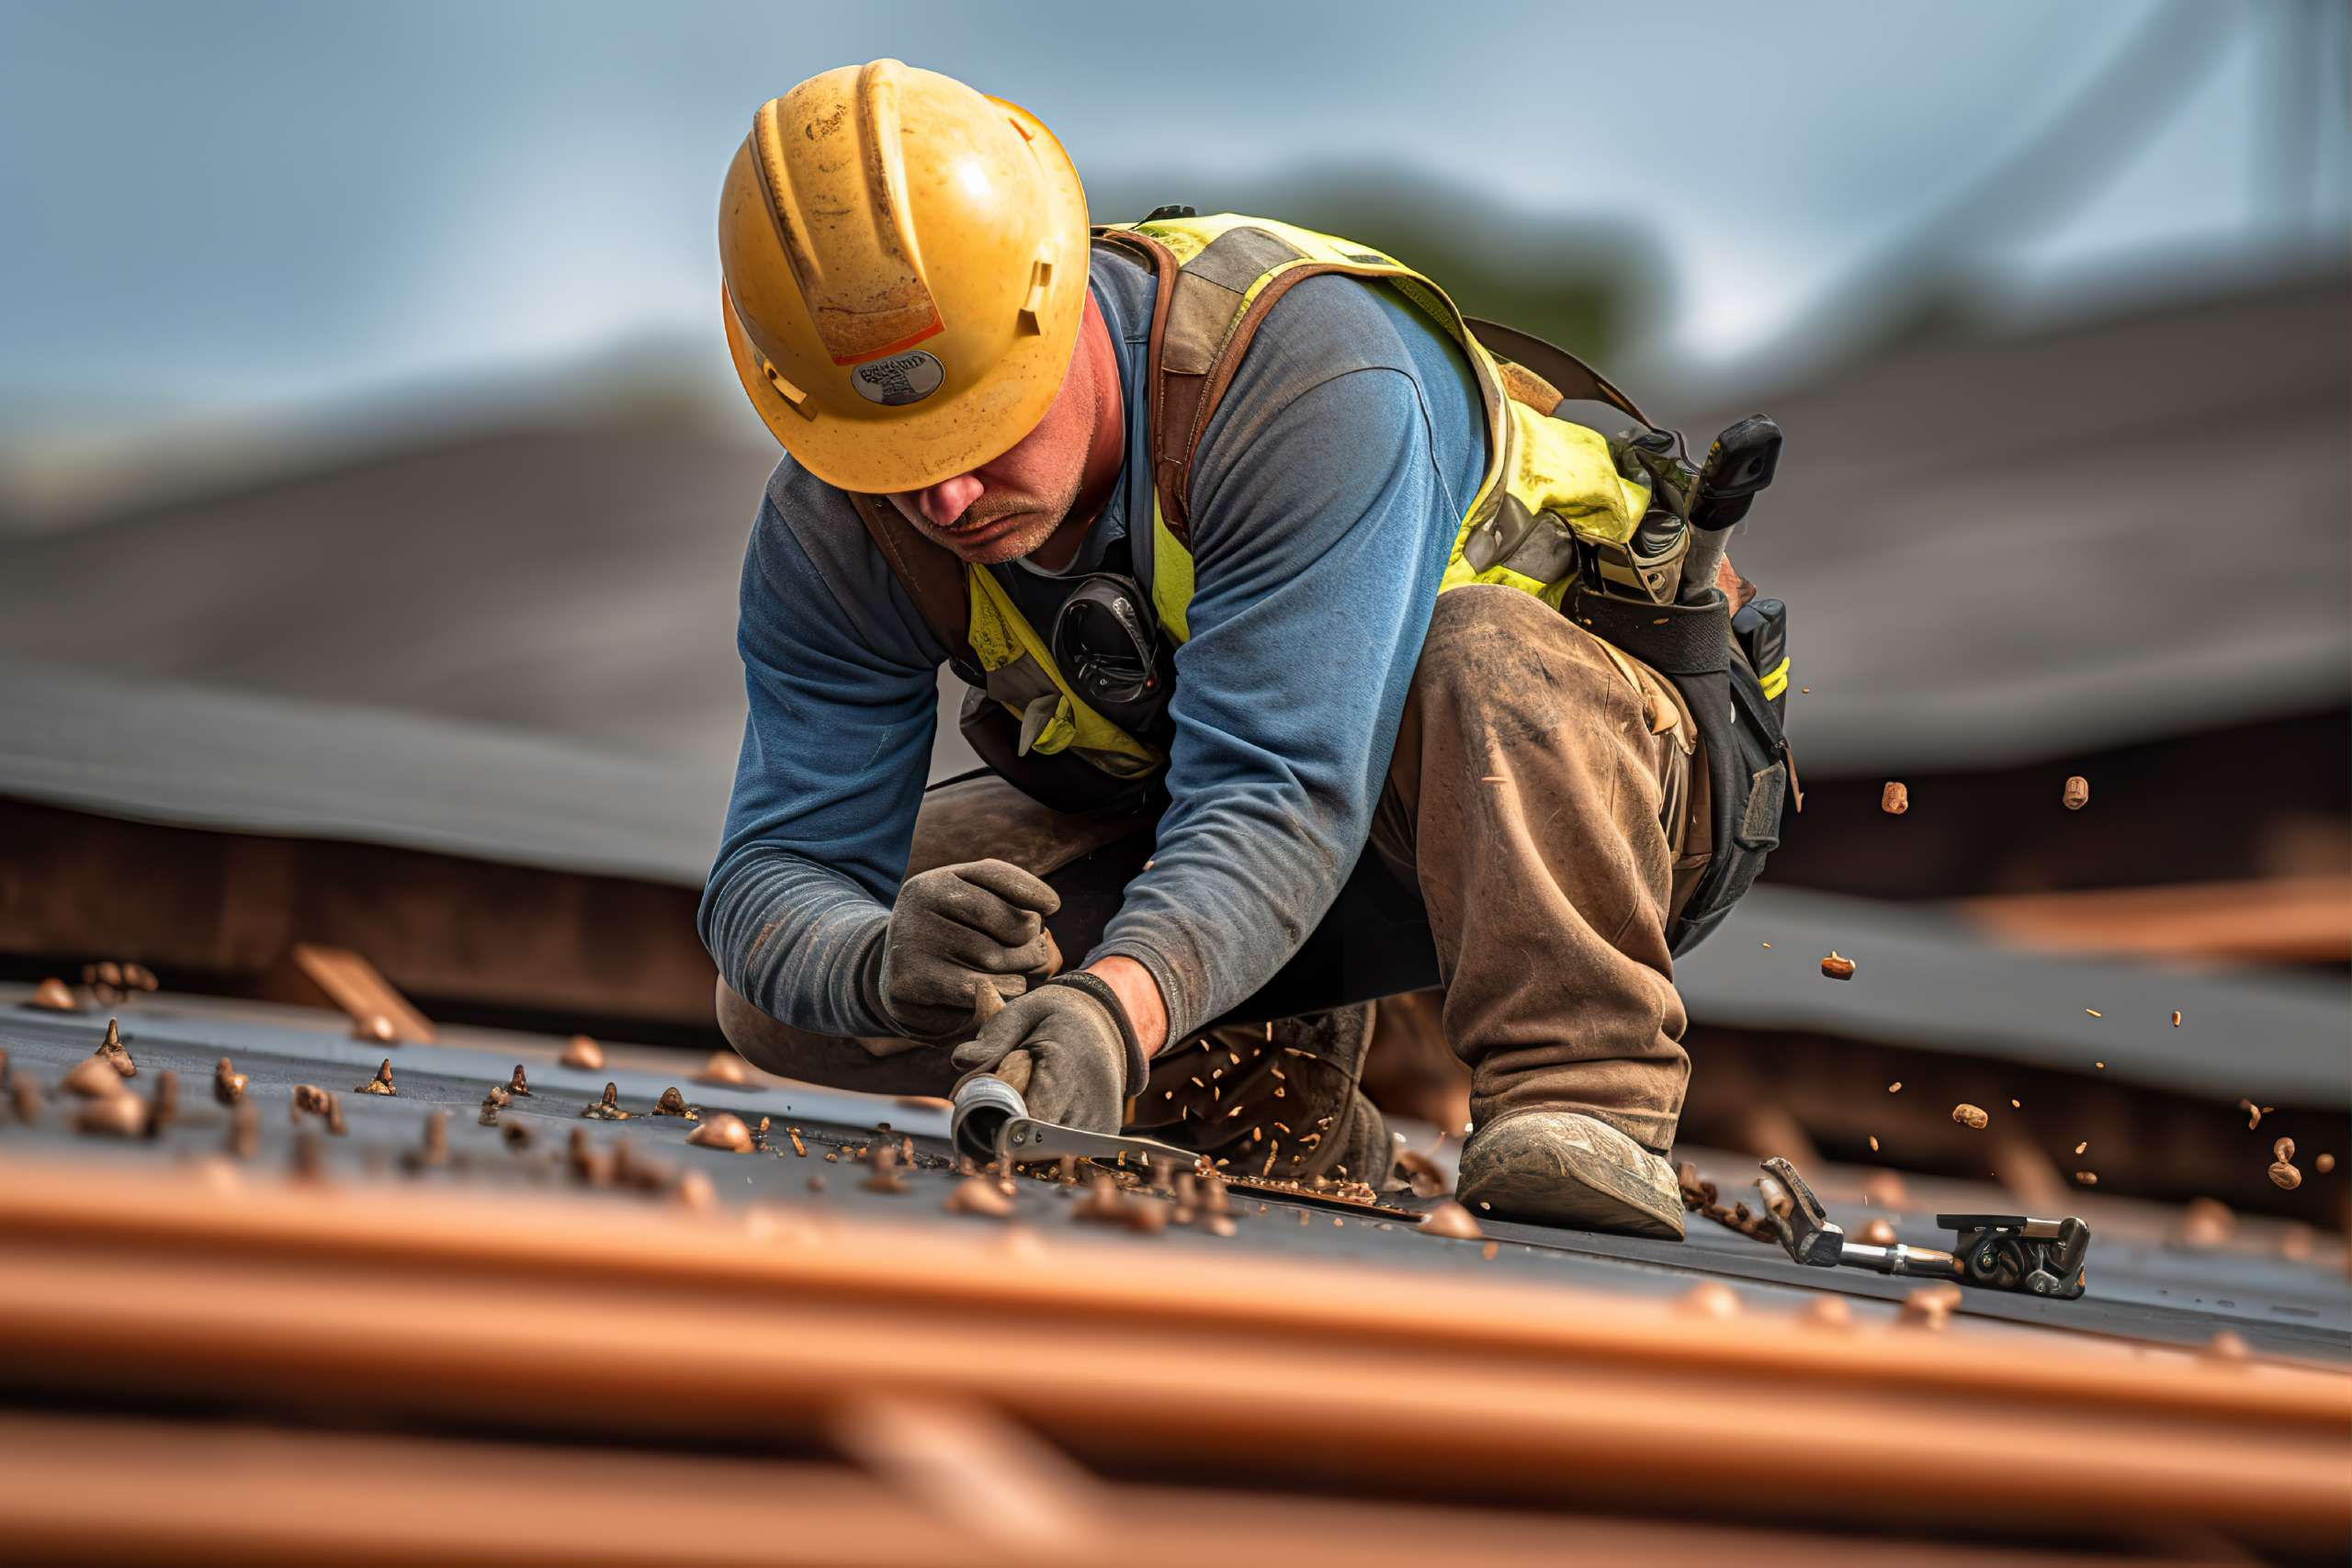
(1250, 768)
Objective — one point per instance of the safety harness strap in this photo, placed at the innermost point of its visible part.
(1574, 379)
(932, 577)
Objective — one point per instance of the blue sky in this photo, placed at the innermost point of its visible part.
(246, 205)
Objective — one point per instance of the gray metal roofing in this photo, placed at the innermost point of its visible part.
(1925, 978)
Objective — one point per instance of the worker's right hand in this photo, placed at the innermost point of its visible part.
(955, 930)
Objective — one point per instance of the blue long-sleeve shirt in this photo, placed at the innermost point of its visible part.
(1325, 498)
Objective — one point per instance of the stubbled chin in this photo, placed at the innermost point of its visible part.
(1009, 546)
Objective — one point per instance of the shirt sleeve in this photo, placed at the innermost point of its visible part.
(836, 748)
(1318, 542)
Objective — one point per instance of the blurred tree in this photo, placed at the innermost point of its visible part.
(1591, 286)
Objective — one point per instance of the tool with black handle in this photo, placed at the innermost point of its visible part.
(1994, 1252)
(1737, 468)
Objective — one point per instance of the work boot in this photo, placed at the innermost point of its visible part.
(1556, 1167)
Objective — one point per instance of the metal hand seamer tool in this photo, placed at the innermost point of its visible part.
(990, 1121)
(1995, 1252)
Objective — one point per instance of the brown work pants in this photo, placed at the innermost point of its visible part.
(1542, 819)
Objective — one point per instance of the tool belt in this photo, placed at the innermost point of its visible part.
(1750, 774)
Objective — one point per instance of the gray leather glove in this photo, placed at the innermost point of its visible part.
(956, 928)
(1068, 1048)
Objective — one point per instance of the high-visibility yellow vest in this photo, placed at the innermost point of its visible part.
(1549, 482)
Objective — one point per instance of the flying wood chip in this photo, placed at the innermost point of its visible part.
(2078, 792)
(1894, 799)
(1837, 967)
(1974, 1117)
(582, 1053)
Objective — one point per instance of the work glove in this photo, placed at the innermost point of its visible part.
(1068, 1048)
(956, 929)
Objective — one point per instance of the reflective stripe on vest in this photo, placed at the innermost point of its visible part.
(1549, 482)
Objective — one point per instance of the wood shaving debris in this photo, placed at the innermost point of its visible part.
(1876, 1232)
(518, 1085)
(1106, 1204)
(381, 1083)
(674, 1103)
(2087, 1179)
(244, 1133)
(91, 1077)
(2078, 792)
(110, 1051)
(608, 1109)
(1894, 1087)
(724, 1067)
(1423, 1174)
(1894, 799)
(981, 1196)
(1828, 1312)
(113, 1116)
(582, 1053)
(228, 1084)
(2285, 1177)
(1837, 967)
(1453, 1221)
(722, 1130)
(1974, 1117)
(2081, 1146)
(1711, 1299)
(53, 995)
(1929, 1306)
(2175, 1018)
(1874, 1143)
(883, 1167)
(2205, 1222)
(2323, 1163)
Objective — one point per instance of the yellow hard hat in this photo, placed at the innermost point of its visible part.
(905, 264)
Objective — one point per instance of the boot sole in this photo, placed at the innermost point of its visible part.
(1577, 1188)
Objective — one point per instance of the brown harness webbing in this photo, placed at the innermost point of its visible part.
(1195, 349)
(929, 572)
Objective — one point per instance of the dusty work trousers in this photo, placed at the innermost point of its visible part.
(1543, 817)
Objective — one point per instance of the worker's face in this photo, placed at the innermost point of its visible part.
(1009, 505)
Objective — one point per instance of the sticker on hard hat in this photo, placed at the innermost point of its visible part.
(902, 379)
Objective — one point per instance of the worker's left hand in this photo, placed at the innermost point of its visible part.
(1067, 1051)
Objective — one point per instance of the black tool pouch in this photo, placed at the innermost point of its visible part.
(1746, 753)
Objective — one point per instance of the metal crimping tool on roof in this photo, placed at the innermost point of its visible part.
(1995, 1252)
(990, 1121)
